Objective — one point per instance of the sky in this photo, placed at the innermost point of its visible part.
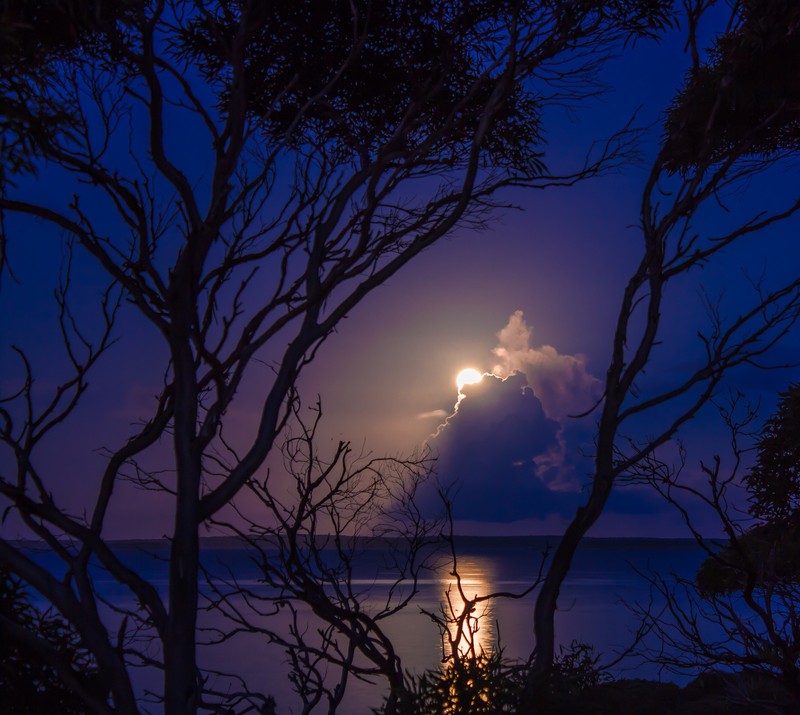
(530, 302)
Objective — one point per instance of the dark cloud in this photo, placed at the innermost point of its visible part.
(510, 452)
(489, 451)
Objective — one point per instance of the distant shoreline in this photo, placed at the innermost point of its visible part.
(496, 540)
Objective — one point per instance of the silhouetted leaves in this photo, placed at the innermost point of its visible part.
(361, 73)
(364, 74)
(745, 100)
(770, 552)
(28, 684)
(774, 481)
(35, 37)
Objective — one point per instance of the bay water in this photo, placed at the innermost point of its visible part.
(594, 607)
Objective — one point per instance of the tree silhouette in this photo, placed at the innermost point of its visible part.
(684, 182)
(741, 96)
(44, 668)
(35, 35)
(768, 551)
(331, 144)
(774, 480)
(741, 611)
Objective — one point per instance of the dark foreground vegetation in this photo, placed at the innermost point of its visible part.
(713, 693)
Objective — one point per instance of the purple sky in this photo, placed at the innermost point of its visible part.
(531, 300)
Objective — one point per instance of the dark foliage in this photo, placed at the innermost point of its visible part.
(771, 553)
(349, 70)
(774, 481)
(35, 36)
(490, 684)
(484, 685)
(35, 31)
(746, 98)
(29, 684)
(364, 74)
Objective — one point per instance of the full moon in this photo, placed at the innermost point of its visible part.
(467, 377)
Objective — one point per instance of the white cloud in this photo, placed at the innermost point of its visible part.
(562, 382)
(438, 414)
(510, 451)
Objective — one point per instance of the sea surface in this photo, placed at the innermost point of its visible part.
(606, 575)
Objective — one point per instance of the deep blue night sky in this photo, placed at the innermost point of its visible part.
(531, 300)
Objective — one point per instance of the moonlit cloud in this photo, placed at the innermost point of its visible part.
(438, 414)
(489, 453)
(565, 387)
(561, 382)
(509, 453)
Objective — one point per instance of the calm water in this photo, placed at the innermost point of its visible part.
(591, 611)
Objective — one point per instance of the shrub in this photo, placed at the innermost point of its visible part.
(490, 684)
(29, 685)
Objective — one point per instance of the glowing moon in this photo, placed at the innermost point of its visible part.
(467, 377)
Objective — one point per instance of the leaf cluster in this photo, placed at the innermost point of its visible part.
(358, 72)
(28, 683)
(36, 37)
(746, 97)
(366, 74)
(491, 684)
(774, 482)
(487, 684)
(770, 552)
(38, 31)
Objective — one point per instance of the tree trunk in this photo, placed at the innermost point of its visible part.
(180, 670)
(181, 695)
(547, 600)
